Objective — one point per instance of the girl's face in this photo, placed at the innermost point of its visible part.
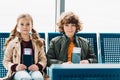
(69, 29)
(24, 25)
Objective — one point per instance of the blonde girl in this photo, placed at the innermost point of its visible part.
(24, 51)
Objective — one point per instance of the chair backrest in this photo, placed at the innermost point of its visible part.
(110, 47)
(3, 37)
(91, 37)
(52, 35)
(42, 35)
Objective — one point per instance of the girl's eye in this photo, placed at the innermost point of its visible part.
(28, 24)
(25, 24)
(22, 24)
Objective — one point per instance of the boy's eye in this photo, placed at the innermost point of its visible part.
(69, 24)
(66, 24)
(73, 24)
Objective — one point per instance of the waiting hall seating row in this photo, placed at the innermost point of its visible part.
(85, 72)
(109, 43)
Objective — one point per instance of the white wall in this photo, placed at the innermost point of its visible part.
(42, 11)
(96, 15)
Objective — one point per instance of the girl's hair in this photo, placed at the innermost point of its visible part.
(67, 18)
(15, 33)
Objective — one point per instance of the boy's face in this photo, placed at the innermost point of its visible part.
(69, 29)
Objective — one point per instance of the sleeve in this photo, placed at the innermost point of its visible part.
(7, 60)
(42, 59)
(91, 55)
(51, 56)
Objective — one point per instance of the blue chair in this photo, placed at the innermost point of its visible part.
(42, 35)
(92, 37)
(110, 47)
(85, 72)
(52, 35)
(3, 37)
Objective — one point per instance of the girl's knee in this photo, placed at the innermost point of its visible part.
(22, 75)
(36, 75)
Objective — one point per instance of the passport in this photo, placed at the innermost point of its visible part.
(27, 58)
(76, 55)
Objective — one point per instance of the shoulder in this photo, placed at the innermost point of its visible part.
(13, 41)
(82, 39)
(57, 38)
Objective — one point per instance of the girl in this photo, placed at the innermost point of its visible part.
(24, 51)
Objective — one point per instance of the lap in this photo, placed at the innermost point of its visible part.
(36, 75)
(28, 75)
(22, 75)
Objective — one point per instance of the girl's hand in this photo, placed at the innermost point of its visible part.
(33, 67)
(20, 67)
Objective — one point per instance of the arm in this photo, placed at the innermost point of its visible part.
(87, 51)
(51, 55)
(42, 59)
(8, 54)
(91, 55)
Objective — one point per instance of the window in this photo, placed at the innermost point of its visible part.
(43, 13)
(96, 15)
